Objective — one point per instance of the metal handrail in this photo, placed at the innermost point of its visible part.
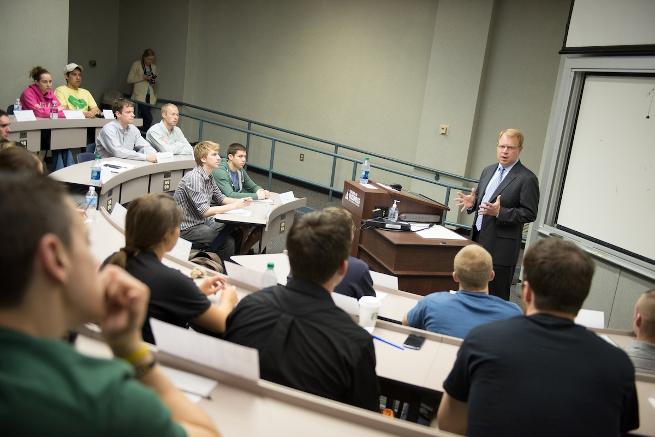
(249, 132)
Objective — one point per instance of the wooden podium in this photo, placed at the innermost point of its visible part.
(421, 265)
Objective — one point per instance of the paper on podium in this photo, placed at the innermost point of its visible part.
(221, 355)
(190, 383)
(73, 115)
(248, 276)
(25, 115)
(438, 231)
(108, 114)
(372, 187)
(118, 213)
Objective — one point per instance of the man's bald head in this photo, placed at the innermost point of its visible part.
(473, 268)
(644, 323)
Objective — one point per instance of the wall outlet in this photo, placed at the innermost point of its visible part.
(110, 204)
(443, 129)
(302, 156)
(167, 185)
(283, 227)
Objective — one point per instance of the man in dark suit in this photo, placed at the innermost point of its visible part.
(508, 198)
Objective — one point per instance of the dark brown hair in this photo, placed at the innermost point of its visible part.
(36, 72)
(146, 53)
(317, 244)
(32, 206)
(15, 158)
(233, 148)
(559, 273)
(119, 104)
(149, 219)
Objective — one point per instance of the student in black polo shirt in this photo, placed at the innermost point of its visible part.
(304, 340)
(541, 374)
(152, 227)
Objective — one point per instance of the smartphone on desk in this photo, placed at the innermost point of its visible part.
(414, 341)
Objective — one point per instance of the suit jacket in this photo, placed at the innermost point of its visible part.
(519, 201)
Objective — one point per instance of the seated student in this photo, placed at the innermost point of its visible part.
(233, 180)
(165, 136)
(39, 96)
(541, 374)
(72, 96)
(15, 158)
(5, 126)
(50, 285)
(357, 282)
(121, 139)
(642, 350)
(152, 227)
(304, 340)
(195, 195)
(456, 313)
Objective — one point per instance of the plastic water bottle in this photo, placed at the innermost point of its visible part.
(366, 168)
(95, 171)
(270, 278)
(17, 106)
(53, 111)
(393, 212)
(91, 205)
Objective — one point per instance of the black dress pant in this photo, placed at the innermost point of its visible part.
(502, 282)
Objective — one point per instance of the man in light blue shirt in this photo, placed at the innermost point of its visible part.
(455, 313)
(121, 139)
(165, 136)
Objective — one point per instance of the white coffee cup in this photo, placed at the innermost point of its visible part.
(369, 306)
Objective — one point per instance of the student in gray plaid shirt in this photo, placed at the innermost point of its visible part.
(195, 194)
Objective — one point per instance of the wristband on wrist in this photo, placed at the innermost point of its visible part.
(136, 358)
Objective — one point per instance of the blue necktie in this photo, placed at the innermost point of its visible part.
(489, 191)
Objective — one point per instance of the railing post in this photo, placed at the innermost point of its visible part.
(270, 165)
(334, 167)
(447, 200)
(200, 127)
(354, 175)
(248, 137)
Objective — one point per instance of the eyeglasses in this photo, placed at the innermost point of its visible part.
(508, 148)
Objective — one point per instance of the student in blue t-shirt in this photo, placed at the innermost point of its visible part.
(455, 313)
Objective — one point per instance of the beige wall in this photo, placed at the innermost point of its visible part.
(35, 32)
(93, 36)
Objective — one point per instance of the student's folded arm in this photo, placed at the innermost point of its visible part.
(452, 415)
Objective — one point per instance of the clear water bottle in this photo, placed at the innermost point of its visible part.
(91, 205)
(54, 111)
(393, 212)
(270, 278)
(95, 171)
(366, 168)
(17, 106)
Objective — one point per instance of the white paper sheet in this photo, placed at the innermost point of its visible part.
(118, 213)
(240, 212)
(25, 115)
(181, 250)
(652, 402)
(607, 339)
(384, 280)
(164, 156)
(346, 303)
(247, 276)
(73, 115)
(190, 383)
(222, 355)
(591, 318)
(193, 398)
(438, 231)
(287, 197)
(108, 114)
(373, 187)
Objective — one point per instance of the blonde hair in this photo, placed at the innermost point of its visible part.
(203, 148)
(512, 133)
(473, 266)
(165, 107)
(646, 308)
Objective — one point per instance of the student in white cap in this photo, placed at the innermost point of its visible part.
(72, 97)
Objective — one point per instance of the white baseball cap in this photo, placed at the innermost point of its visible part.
(72, 66)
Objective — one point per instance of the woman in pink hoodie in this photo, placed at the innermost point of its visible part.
(39, 96)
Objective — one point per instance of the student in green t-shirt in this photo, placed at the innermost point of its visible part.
(51, 284)
(233, 180)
